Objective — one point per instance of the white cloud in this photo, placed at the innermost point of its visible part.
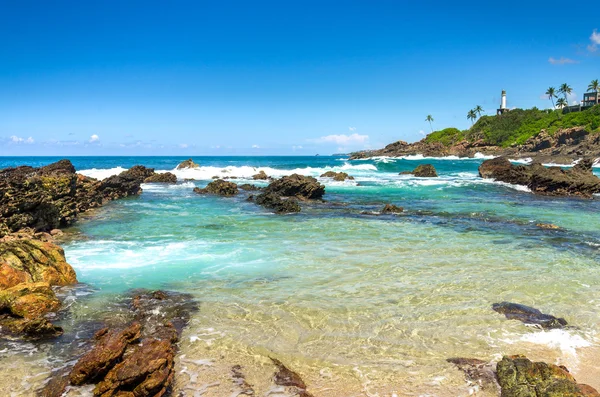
(297, 147)
(184, 145)
(351, 129)
(94, 138)
(561, 61)
(255, 147)
(17, 139)
(422, 132)
(343, 139)
(595, 39)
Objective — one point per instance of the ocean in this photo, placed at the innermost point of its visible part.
(359, 304)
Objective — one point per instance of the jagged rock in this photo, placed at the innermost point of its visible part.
(147, 371)
(553, 181)
(299, 186)
(219, 187)
(519, 377)
(260, 176)
(277, 203)
(164, 177)
(528, 315)
(31, 328)
(248, 187)
(290, 379)
(127, 183)
(104, 355)
(189, 163)
(422, 171)
(391, 209)
(478, 372)
(29, 300)
(28, 260)
(337, 176)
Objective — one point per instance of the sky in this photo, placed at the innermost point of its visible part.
(275, 78)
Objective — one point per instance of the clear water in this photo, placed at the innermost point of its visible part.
(360, 305)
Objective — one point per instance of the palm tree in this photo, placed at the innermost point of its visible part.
(478, 109)
(472, 116)
(594, 86)
(551, 92)
(430, 119)
(561, 103)
(565, 89)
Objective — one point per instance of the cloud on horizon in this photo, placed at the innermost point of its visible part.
(17, 139)
(94, 138)
(342, 139)
(561, 61)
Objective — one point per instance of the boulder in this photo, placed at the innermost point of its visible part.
(337, 176)
(391, 209)
(528, 315)
(189, 163)
(219, 187)
(127, 183)
(29, 328)
(299, 186)
(276, 202)
(422, 171)
(32, 261)
(29, 300)
(260, 176)
(520, 377)
(164, 177)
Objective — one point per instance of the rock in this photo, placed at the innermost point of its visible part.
(548, 226)
(422, 171)
(147, 371)
(248, 187)
(187, 164)
(28, 300)
(295, 185)
(31, 261)
(30, 328)
(337, 176)
(219, 187)
(104, 355)
(478, 372)
(127, 183)
(391, 209)
(290, 379)
(519, 377)
(164, 177)
(553, 181)
(260, 176)
(239, 381)
(56, 232)
(277, 203)
(528, 315)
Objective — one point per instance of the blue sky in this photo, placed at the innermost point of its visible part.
(281, 77)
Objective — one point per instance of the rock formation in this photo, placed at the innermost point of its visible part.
(275, 202)
(165, 177)
(391, 209)
(219, 187)
(528, 315)
(337, 176)
(260, 176)
(299, 186)
(422, 171)
(189, 163)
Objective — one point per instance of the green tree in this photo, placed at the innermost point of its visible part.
(472, 115)
(551, 92)
(478, 109)
(561, 103)
(594, 86)
(430, 119)
(565, 90)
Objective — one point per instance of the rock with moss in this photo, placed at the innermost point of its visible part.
(28, 300)
(520, 377)
(422, 171)
(189, 163)
(337, 176)
(219, 187)
(162, 177)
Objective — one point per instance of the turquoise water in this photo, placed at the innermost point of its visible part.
(360, 304)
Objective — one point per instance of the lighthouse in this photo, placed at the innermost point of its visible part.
(503, 107)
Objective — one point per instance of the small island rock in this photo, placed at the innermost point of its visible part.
(337, 176)
(219, 187)
(422, 171)
(189, 163)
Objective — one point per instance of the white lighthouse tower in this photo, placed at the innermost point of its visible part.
(503, 107)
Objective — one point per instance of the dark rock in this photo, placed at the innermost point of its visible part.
(337, 176)
(127, 183)
(219, 187)
(478, 372)
(187, 164)
(29, 328)
(288, 378)
(260, 176)
(108, 350)
(299, 186)
(422, 171)
(528, 315)
(277, 203)
(519, 377)
(248, 187)
(165, 177)
(391, 209)
(553, 181)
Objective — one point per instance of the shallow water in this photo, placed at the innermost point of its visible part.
(360, 305)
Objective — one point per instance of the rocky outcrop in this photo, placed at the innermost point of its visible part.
(260, 176)
(127, 183)
(189, 163)
(281, 205)
(299, 186)
(28, 300)
(219, 187)
(163, 177)
(337, 176)
(422, 171)
(553, 181)
(528, 315)
(520, 377)
(249, 188)
(391, 209)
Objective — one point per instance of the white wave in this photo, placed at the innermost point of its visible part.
(526, 160)
(102, 173)
(163, 187)
(483, 156)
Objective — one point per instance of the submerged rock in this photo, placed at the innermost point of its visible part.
(422, 171)
(260, 176)
(552, 181)
(528, 315)
(337, 176)
(299, 186)
(548, 226)
(29, 328)
(391, 209)
(290, 379)
(478, 372)
(519, 377)
(219, 187)
(277, 203)
(189, 163)
(164, 177)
